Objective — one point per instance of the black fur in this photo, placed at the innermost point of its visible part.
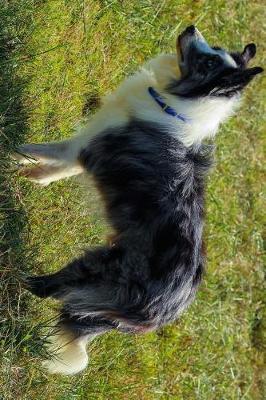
(206, 71)
(153, 188)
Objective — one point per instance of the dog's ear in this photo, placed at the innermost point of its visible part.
(242, 78)
(236, 81)
(248, 53)
(249, 73)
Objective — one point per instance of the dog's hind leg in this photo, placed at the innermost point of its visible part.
(88, 269)
(47, 162)
(98, 295)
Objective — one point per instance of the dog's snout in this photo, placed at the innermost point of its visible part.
(190, 30)
(190, 36)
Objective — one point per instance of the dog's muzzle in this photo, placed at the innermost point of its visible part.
(191, 36)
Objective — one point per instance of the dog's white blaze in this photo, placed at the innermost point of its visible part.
(69, 354)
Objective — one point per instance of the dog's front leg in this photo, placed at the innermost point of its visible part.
(48, 162)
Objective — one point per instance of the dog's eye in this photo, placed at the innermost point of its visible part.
(211, 62)
(207, 64)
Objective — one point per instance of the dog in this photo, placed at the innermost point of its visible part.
(145, 150)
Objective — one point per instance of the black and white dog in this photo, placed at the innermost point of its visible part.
(144, 150)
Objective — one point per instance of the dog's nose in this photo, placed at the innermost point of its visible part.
(191, 29)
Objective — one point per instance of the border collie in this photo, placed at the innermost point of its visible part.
(144, 148)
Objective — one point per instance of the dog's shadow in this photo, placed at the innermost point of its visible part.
(15, 258)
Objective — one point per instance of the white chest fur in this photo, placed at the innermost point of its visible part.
(132, 99)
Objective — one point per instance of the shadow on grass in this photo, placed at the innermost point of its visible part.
(16, 333)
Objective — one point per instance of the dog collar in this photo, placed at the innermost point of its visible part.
(169, 110)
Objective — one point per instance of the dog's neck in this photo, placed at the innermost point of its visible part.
(203, 116)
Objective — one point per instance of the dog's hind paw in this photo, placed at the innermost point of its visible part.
(41, 286)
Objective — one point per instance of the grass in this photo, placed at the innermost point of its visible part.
(56, 59)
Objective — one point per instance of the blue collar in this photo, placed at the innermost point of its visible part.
(169, 110)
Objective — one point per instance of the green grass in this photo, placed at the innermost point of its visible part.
(56, 59)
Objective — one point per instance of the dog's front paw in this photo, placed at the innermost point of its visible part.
(25, 154)
(41, 174)
(29, 166)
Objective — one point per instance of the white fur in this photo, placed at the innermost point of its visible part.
(69, 354)
(49, 162)
(132, 99)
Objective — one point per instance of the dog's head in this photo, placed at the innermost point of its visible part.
(211, 71)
